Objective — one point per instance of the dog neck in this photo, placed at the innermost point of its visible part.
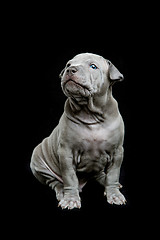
(95, 111)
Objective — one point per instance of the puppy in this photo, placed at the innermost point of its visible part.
(88, 141)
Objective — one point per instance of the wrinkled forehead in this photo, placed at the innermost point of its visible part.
(88, 58)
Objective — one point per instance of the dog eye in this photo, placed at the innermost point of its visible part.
(93, 66)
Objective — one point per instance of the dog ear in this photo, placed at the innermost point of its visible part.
(113, 73)
(60, 75)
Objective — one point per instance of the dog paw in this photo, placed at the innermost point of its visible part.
(114, 196)
(59, 195)
(59, 191)
(70, 202)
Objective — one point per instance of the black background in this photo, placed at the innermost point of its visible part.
(39, 42)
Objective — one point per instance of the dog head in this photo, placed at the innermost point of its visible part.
(88, 75)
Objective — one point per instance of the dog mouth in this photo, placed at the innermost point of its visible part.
(73, 81)
(76, 88)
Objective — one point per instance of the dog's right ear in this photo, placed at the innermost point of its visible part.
(60, 75)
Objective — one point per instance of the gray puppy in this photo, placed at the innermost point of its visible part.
(88, 141)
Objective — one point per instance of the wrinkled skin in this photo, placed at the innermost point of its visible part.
(88, 141)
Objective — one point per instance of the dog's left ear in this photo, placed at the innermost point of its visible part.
(113, 73)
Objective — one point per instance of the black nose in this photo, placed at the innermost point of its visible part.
(72, 70)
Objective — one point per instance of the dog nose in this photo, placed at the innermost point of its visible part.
(121, 77)
(72, 70)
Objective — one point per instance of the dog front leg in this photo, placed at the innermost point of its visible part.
(71, 197)
(112, 179)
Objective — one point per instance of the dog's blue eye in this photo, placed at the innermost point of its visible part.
(93, 66)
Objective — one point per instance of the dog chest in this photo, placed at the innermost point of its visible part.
(94, 148)
(90, 146)
(96, 138)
